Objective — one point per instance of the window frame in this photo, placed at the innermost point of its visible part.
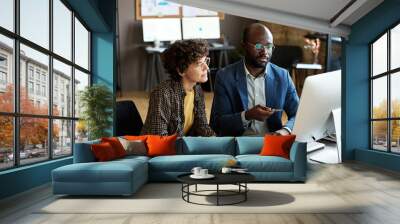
(16, 114)
(388, 74)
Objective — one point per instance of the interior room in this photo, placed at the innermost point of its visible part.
(184, 111)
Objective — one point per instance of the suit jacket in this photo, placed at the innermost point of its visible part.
(166, 116)
(231, 98)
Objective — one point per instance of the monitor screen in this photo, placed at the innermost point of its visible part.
(201, 27)
(320, 97)
(165, 29)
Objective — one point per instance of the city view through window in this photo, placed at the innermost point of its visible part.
(39, 114)
(385, 92)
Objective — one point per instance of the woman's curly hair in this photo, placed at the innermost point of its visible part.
(181, 54)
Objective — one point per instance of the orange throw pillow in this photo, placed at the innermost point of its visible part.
(116, 145)
(161, 145)
(277, 145)
(103, 152)
(135, 138)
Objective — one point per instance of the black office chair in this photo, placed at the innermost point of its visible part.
(286, 56)
(129, 121)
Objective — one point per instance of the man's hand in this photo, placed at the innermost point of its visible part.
(282, 132)
(259, 113)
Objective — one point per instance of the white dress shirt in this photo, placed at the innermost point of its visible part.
(256, 96)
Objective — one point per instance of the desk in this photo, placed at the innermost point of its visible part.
(154, 67)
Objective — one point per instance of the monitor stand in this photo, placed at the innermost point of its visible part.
(331, 153)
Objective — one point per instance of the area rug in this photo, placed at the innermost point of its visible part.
(167, 198)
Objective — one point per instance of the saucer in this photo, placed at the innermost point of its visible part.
(208, 176)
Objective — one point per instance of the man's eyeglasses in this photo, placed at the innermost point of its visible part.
(259, 47)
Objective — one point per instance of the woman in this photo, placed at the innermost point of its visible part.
(177, 105)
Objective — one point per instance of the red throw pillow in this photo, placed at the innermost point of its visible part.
(161, 145)
(103, 151)
(277, 145)
(116, 145)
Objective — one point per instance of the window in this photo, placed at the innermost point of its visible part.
(43, 90)
(385, 94)
(37, 74)
(30, 72)
(38, 89)
(34, 21)
(3, 78)
(62, 75)
(3, 61)
(30, 88)
(81, 45)
(62, 30)
(45, 131)
(7, 14)
(3, 72)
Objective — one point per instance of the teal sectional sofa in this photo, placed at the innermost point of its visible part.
(125, 176)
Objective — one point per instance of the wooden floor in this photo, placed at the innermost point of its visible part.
(377, 188)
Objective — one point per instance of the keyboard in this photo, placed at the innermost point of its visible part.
(312, 146)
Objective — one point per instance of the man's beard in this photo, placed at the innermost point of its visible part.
(254, 63)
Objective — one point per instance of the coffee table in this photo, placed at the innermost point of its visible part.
(238, 179)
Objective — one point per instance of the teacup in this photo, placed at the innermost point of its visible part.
(203, 172)
(196, 170)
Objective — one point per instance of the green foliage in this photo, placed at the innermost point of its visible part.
(96, 102)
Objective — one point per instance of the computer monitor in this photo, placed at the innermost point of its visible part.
(321, 95)
(201, 27)
(165, 29)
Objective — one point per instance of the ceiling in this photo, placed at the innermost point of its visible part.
(326, 16)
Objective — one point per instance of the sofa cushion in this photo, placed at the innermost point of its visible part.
(112, 171)
(249, 145)
(185, 163)
(134, 147)
(277, 145)
(207, 145)
(257, 163)
(116, 145)
(161, 145)
(103, 152)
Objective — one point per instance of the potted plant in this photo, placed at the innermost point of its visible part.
(96, 102)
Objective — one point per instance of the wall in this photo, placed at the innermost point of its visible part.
(355, 82)
(131, 52)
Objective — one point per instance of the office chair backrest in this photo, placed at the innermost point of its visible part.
(129, 121)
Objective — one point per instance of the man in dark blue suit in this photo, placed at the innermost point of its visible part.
(251, 94)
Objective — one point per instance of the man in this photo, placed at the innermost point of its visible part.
(250, 95)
